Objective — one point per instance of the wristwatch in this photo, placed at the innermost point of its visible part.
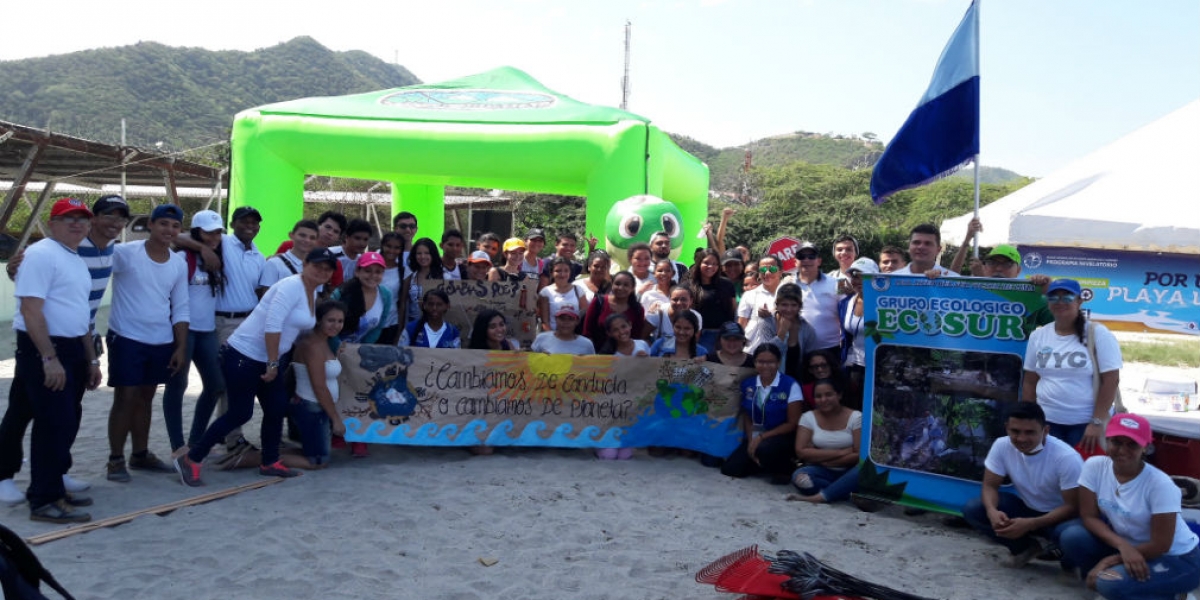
(95, 362)
(1097, 421)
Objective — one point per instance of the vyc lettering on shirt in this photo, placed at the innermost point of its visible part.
(1074, 360)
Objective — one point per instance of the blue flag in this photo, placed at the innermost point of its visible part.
(942, 134)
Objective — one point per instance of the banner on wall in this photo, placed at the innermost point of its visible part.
(1128, 291)
(418, 396)
(944, 363)
(517, 301)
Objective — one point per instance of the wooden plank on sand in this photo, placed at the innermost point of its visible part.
(154, 510)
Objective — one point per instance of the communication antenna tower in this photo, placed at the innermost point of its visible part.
(625, 79)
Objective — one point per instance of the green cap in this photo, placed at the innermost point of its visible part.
(1006, 251)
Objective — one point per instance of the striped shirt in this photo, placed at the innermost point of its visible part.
(99, 264)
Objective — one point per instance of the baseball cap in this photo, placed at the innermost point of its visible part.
(246, 211)
(207, 220)
(1064, 285)
(367, 259)
(731, 256)
(731, 329)
(167, 211)
(321, 255)
(513, 243)
(568, 310)
(535, 233)
(67, 206)
(1134, 427)
(479, 256)
(864, 265)
(806, 246)
(1005, 251)
(110, 203)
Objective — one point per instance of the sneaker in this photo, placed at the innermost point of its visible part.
(75, 485)
(277, 469)
(58, 512)
(149, 462)
(78, 499)
(606, 453)
(189, 471)
(9, 494)
(359, 450)
(117, 471)
(337, 442)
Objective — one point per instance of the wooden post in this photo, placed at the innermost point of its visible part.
(33, 215)
(19, 182)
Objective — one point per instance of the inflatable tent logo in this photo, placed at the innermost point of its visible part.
(469, 100)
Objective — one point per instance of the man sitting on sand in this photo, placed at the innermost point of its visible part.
(1045, 472)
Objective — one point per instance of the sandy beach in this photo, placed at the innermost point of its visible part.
(415, 522)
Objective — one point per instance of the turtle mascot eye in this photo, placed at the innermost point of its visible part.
(636, 219)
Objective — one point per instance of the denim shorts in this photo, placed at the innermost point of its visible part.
(313, 424)
(132, 363)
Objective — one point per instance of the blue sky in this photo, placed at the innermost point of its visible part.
(1060, 78)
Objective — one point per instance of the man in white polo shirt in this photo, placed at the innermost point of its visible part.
(820, 294)
(55, 358)
(147, 337)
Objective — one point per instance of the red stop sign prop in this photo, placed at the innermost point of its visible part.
(786, 248)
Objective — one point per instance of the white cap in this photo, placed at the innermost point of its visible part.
(207, 220)
(864, 265)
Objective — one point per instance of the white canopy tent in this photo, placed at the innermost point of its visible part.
(1138, 193)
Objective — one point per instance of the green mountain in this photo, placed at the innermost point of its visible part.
(184, 97)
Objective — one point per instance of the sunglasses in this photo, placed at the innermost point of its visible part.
(768, 269)
(807, 256)
(1061, 299)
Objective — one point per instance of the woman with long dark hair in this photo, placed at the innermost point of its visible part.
(715, 296)
(595, 278)
(368, 304)
(1061, 370)
(618, 300)
(391, 248)
(313, 406)
(423, 263)
(827, 441)
(771, 406)
(490, 332)
(204, 286)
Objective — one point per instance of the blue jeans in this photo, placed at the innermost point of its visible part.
(201, 350)
(1071, 434)
(1169, 575)
(833, 484)
(243, 376)
(1015, 508)
(54, 414)
(313, 424)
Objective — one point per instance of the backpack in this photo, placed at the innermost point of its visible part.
(21, 573)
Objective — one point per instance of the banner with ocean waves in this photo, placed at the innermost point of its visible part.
(419, 396)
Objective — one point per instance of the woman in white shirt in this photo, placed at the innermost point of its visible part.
(827, 441)
(560, 292)
(620, 338)
(391, 247)
(1059, 369)
(1132, 541)
(252, 360)
(313, 407)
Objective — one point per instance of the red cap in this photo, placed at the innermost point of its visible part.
(67, 206)
(1134, 427)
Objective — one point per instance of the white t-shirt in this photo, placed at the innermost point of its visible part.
(368, 321)
(832, 439)
(276, 268)
(942, 271)
(757, 331)
(60, 278)
(584, 290)
(558, 299)
(148, 297)
(391, 281)
(304, 389)
(820, 309)
(284, 309)
(638, 346)
(1128, 507)
(651, 297)
(1040, 478)
(547, 343)
(1064, 368)
(202, 304)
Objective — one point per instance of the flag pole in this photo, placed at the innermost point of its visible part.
(978, 121)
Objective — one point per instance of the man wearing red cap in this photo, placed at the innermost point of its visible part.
(55, 357)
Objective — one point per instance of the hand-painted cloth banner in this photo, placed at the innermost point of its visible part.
(944, 363)
(517, 301)
(1127, 291)
(417, 396)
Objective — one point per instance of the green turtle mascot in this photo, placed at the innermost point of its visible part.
(636, 219)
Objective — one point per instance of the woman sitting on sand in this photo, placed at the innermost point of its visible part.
(316, 369)
(770, 408)
(827, 441)
(1132, 541)
(564, 340)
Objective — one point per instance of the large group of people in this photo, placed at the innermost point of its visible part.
(269, 328)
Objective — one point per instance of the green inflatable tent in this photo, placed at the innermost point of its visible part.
(500, 129)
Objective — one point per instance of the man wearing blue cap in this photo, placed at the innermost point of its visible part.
(147, 337)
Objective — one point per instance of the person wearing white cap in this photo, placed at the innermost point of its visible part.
(850, 316)
(205, 285)
(1133, 541)
(820, 297)
(564, 340)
